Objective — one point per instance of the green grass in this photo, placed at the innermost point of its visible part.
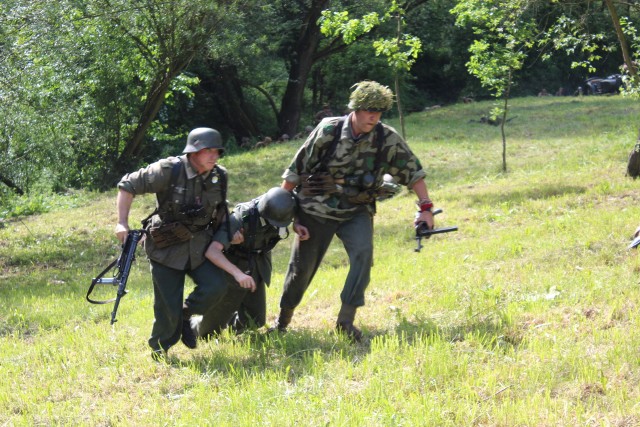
(527, 316)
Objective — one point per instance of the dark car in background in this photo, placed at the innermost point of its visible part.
(600, 86)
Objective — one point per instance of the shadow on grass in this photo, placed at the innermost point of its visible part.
(491, 332)
(300, 353)
(296, 352)
(542, 192)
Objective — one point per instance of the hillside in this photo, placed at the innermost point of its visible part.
(528, 315)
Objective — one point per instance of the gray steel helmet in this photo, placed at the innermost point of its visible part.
(201, 138)
(277, 206)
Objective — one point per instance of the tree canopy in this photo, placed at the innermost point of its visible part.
(91, 89)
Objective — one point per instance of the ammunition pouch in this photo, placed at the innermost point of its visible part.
(387, 190)
(169, 234)
(191, 212)
(317, 184)
(352, 196)
(364, 181)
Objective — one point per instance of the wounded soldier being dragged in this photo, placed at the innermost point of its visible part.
(263, 223)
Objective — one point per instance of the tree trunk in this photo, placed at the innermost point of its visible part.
(301, 63)
(505, 110)
(135, 144)
(12, 185)
(631, 67)
(232, 108)
(397, 82)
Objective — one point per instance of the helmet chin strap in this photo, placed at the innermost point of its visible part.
(283, 232)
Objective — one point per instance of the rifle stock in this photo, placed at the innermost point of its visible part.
(122, 266)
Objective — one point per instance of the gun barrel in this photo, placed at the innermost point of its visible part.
(423, 231)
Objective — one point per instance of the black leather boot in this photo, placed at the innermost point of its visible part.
(345, 323)
(283, 320)
(188, 337)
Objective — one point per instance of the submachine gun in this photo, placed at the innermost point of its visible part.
(422, 230)
(121, 266)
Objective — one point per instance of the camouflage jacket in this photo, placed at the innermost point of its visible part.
(350, 158)
(188, 191)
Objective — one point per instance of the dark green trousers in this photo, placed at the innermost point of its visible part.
(168, 291)
(356, 235)
(238, 305)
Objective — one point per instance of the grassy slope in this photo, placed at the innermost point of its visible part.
(528, 315)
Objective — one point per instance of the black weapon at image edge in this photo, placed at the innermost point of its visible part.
(634, 243)
(423, 231)
(122, 267)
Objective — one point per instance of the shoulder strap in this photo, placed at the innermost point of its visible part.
(253, 226)
(175, 173)
(334, 143)
(223, 188)
(251, 238)
(223, 181)
(379, 143)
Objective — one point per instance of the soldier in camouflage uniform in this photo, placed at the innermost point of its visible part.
(336, 176)
(263, 223)
(190, 191)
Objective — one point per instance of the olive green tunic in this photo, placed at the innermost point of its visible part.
(195, 201)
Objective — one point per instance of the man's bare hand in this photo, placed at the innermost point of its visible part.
(301, 231)
(426, 217)
(121, 232)
(245, 281)
(238, 237)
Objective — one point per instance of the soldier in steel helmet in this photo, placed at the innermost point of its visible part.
(263, 223)
(336, 176)
(191, 203)
(325, 112)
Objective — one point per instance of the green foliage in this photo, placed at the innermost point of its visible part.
(629, 88)
(25, 206)
(568, 35)
(506, 34)
(90, 89)
(400, 51)
(339, 24)
(13, 206)
(396, 57)
(84, 82)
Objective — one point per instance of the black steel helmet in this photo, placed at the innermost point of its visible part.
(201, 138)
(277, 206)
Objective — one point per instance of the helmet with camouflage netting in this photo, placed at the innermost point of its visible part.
(370, 96)
(277, 206)
(201, 138)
